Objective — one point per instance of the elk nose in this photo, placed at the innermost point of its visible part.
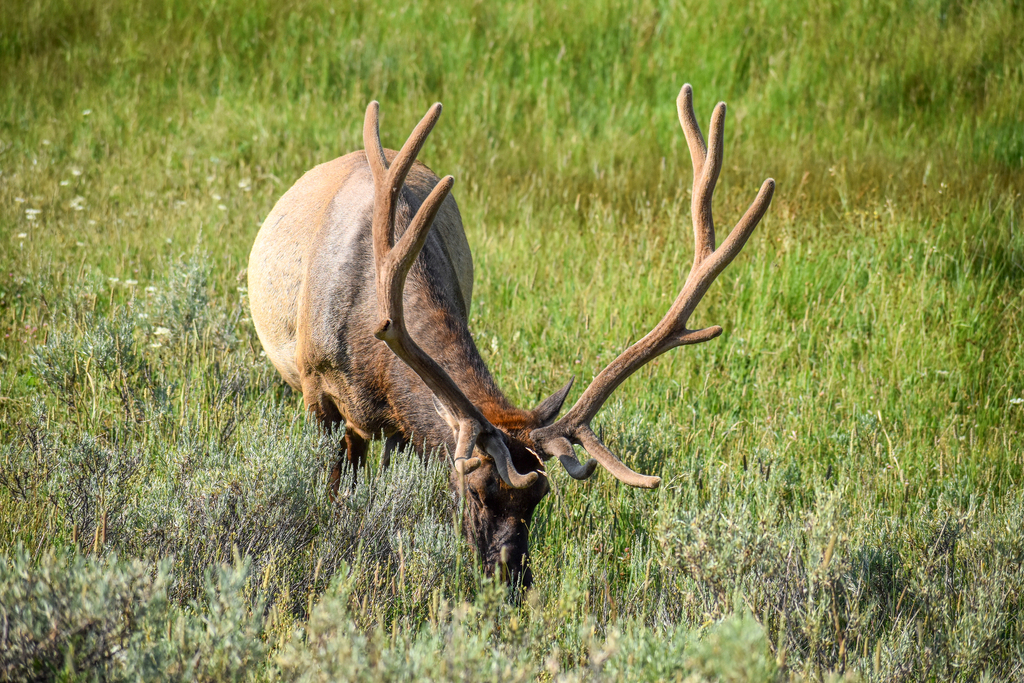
(511, 556)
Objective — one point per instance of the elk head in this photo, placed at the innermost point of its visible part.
(498, 466)
(497, 513)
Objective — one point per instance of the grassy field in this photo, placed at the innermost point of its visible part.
(842, 468)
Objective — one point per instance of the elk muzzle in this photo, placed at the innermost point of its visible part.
(496, 520)
(507, 552)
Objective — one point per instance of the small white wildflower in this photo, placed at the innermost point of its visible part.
(143, 316)
(243, 289)
(65, 183)
(130, 283)
(46, 143)
(168, 240)
(161, 331)
(216, 197)
(19, 200)
(1016, 401)
(222, 207)
(263, 354)
(113, 280)
(76, 172)
(79, 244)
(22, 235)
(151, 289)
(78, 203)
(86, 112)
(245, 184)
(155, 345)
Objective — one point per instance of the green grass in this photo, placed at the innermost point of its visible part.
(842, 468)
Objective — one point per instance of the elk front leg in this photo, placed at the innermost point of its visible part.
(395, 442)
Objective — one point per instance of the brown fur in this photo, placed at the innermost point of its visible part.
(313, 298)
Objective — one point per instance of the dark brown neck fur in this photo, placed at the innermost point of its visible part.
(446, 338)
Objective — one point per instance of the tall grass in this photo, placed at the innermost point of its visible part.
(841, 468)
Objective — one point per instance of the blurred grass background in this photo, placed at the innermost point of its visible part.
(872, 350)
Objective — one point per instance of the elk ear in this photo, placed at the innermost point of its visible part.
(445, 415)
(547, 411)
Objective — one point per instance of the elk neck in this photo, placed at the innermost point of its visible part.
(444, 335)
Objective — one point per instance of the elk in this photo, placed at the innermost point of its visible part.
(360, 284)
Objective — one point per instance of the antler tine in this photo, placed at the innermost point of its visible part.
(671, 331)
(704, 188)
(704, 276)
(705, 170)
(371, 143)
(399, 168)
(388, 179)
(393, 264)
(691, 129)
(411, 149)
(561, 447)
(399, 259)
(464, 460)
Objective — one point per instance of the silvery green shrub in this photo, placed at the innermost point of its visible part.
(67, 614)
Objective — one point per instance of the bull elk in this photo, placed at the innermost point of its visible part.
(362, 307)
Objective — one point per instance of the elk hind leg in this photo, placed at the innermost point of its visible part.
(353, 447)
(355, 450)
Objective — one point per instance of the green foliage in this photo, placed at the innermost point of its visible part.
(841, 468)
(65, 613)
(735, 650)
(217, 637)
(936, 595)
(75, 617)
(456, 644)
(490, 640)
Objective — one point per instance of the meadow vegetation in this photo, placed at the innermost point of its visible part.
(842, 469)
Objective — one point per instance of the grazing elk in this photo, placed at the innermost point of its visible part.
(347, 259)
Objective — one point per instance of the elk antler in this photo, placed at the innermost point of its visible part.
(393, 262)
(574, 428)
